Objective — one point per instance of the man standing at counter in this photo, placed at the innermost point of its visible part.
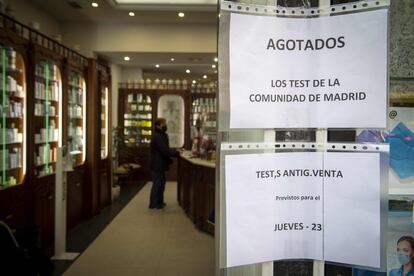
(160, 159)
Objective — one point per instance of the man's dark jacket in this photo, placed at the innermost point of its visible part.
(160, 151)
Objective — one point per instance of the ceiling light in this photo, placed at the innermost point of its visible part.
(127, 58)
(157, 65)
(95, 5)
(194, 81)
(213, 66)
(188, 71)
(215, 72)
(131, 13)
(172, 59)
(215, 59)
(205, 76)
(181, 14)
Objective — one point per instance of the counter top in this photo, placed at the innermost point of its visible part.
(197, 161)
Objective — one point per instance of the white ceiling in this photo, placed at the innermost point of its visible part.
(63, 11)
(199, 63)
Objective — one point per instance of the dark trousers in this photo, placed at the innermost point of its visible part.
(157, 190)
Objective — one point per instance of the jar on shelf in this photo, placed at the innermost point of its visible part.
(148, 83)
(198, 88)
(177, 84)
(170, 84)
(184, 84)
(157, 84)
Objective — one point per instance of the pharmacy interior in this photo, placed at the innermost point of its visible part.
(78, 108)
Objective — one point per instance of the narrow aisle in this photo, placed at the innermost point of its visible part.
(140, 241)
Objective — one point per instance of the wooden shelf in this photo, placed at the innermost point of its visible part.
(44, 142)
(44, 79)
(44, 100)
(11, 143)
(9, 94)
(44, 116)
(45, 175)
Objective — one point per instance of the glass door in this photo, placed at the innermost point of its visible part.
(48, 122)
(13, 118)
(77, 117)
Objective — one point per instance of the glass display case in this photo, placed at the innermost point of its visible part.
(13, 118)
(137, 119)
(203, 125)
(77, 117)
(104, 122)
(48, 122)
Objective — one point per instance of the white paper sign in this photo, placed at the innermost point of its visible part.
(303, 206)
(308, 73)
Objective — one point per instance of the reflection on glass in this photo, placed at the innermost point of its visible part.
(77, 116)
(48, 122)
(171, 107)
(13, 118)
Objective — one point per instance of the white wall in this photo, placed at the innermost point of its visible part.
(27, 13)
(141, 38)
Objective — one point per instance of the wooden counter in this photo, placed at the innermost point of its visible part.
(196, 190)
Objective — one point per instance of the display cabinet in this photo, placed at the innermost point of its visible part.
(45, 137)
(13, 131)
(74, 136)
(47, 114)
(76, 116)
(137, 111)
(13, 118)
(203, 121)
(136, 120)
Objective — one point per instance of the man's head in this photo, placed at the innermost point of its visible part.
(161, 124)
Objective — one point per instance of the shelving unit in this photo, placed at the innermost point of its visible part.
(13, 118)
(138, 109)
(76, 116)
(137, 119)
(47, 111)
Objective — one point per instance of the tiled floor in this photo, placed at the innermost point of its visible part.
(140, 241)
